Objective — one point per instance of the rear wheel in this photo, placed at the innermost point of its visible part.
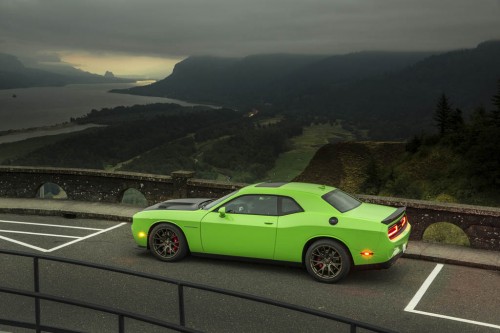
(327, 261)
(167, 242)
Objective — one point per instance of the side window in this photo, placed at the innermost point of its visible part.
(289, 206)
(254, 205)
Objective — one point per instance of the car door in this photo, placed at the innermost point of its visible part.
(246, 229)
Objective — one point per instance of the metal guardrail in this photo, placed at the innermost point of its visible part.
(180, 327)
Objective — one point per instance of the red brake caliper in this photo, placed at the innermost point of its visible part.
(318, 265)
(176, 243)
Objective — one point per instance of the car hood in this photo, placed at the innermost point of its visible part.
(370, 212)
(179, 204)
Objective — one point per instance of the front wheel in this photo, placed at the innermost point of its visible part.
(167, 242)
(327, 261)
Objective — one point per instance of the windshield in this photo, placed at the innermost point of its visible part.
(216, 202)
(341, 201)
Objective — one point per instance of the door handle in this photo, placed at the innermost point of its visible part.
(268, 223)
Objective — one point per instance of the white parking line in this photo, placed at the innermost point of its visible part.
(418, 296)
(23, 244)
(420, 293)
(35, 233)
(75, 238)
(86, 237)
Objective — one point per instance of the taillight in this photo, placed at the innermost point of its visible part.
(393, 231)
(397, 228)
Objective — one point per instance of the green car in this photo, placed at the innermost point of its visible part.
(319, 226)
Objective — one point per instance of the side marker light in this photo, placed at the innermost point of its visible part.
(141, 234)
(366, 253)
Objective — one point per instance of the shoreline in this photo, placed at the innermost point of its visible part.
(35, 129)
(181, 102)
(16, 135)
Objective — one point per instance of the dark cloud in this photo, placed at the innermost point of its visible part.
(176, 28)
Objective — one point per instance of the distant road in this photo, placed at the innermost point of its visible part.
(34, 133)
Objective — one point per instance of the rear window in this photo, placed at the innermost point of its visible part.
(341, 201)
(289, 206)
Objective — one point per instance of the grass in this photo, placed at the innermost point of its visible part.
(271, 121)
(291, 163)
(134, 198)
(446, 233)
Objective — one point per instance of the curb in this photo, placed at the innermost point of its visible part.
(451, 261)
(65, 214)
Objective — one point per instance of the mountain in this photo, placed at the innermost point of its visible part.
(392, 94)
(404, 101)
(225, 80)
(10, 63)
(343, 69)
(264, 78)
(14, 74)
(62, 69)
(109, 75)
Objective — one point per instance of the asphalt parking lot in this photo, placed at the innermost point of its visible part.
(412, 296)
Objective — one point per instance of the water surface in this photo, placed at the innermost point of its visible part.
(43, 106)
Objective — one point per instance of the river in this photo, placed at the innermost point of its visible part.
(44, 106)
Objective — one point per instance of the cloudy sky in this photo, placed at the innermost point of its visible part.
(147, 37)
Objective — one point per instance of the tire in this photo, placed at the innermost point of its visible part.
(167, 242)
(327, 261)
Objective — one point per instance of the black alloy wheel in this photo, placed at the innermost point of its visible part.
(167, 242)
(327, 261)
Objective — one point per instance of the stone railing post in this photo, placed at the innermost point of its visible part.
(180, 179)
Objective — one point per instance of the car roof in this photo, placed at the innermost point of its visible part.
(286, 187)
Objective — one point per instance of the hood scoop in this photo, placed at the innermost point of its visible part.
(178, 204)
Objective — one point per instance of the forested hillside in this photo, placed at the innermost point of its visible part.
(270, 78)
(461, 163)
(233, 81)
(98, 148)
(402, 103)
(390, 94)
(355, 167)
(161, 138)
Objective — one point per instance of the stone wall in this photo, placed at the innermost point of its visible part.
(481, 224)
(84, 185)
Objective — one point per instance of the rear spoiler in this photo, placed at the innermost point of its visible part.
(400, 211)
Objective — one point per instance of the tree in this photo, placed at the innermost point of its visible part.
(478, 115)
(496, 98)
(372, 183)
(442, 115)
(456, 122)
(496, 102)
(413, 145)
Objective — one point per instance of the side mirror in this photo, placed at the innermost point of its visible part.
(222, 211)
